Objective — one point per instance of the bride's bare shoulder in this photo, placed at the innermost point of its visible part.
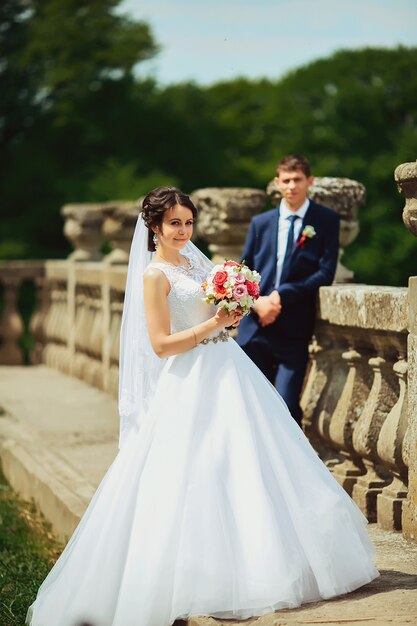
(154, 276)
(153, 272)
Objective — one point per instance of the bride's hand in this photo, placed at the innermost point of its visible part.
(224, 318)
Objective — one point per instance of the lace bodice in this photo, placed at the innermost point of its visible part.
(185, 298)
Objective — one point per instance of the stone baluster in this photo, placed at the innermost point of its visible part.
(406, 178)
(116, 317)
(55, 353)
(347, 411)
(48, 326)
(95, 340)
(321, 390)
(224, 217)
(80, 359)
(343, 195)
(380, 401)
(391, 452)
(62, 317)
(37, 323)
(119, 225)
(83, 228)
(11, 325)
(88, 335)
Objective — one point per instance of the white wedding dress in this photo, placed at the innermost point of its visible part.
(218, 505)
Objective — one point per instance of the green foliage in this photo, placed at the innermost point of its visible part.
(76, 125)
(27, 553)
(68, 80)
(122, 180)
(353, 115)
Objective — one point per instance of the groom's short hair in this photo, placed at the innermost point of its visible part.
(293, 162)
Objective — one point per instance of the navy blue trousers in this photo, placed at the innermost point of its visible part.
(284, 364)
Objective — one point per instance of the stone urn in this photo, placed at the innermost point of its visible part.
(120, 219)
(405, 176)
(83, 228)
(224, 217)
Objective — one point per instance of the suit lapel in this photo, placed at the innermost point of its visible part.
(270, 267)
(306, 219)
(274, 235)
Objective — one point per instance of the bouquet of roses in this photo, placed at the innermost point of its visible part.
(231, 286)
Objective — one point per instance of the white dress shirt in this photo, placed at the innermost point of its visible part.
(283, 228)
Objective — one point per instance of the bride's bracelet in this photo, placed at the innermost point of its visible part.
(222, 336)
(195, 337)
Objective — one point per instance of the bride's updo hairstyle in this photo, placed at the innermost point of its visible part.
(157, 202)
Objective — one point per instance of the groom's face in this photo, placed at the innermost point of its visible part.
(293, 186)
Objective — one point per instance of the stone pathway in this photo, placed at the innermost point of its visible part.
(390, 600)
(57, 438)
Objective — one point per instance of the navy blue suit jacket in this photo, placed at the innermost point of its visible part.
(312, 265)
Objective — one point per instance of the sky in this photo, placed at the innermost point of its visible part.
(207, 41)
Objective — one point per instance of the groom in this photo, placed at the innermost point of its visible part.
(295, 249)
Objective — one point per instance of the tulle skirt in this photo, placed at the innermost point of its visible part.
(218, 505)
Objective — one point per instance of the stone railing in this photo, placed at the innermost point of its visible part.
(355, 396)
(83, 321)
(224, 216)
(360, 411)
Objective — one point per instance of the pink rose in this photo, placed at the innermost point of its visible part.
(232, 264)
(239, 291)
(220, 278)
(253, 288)
(239, 278)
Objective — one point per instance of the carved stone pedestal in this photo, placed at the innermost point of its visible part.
(224, 217)
(83, 228)
(389, 504)
(119, 226)
(367, 488)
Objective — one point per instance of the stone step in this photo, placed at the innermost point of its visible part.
(37, 472)
(58, 436)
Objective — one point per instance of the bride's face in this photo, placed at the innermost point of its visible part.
(177, 227)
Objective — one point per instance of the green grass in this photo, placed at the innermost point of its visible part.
(28, 550)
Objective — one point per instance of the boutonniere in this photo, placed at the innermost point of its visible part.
(308, 233)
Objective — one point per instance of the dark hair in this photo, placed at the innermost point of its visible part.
(157, 202)
(294, 162)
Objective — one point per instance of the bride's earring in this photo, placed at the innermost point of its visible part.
(155, 240)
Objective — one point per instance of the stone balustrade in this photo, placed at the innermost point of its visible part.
(359, 398)
(83, 322)
(355, 396)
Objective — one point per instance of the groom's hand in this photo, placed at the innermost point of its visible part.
(268, 308)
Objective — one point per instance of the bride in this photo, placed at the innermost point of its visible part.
(216, 503)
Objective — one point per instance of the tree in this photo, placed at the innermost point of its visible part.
(77, 125)
(64, 62)
(353, 114)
